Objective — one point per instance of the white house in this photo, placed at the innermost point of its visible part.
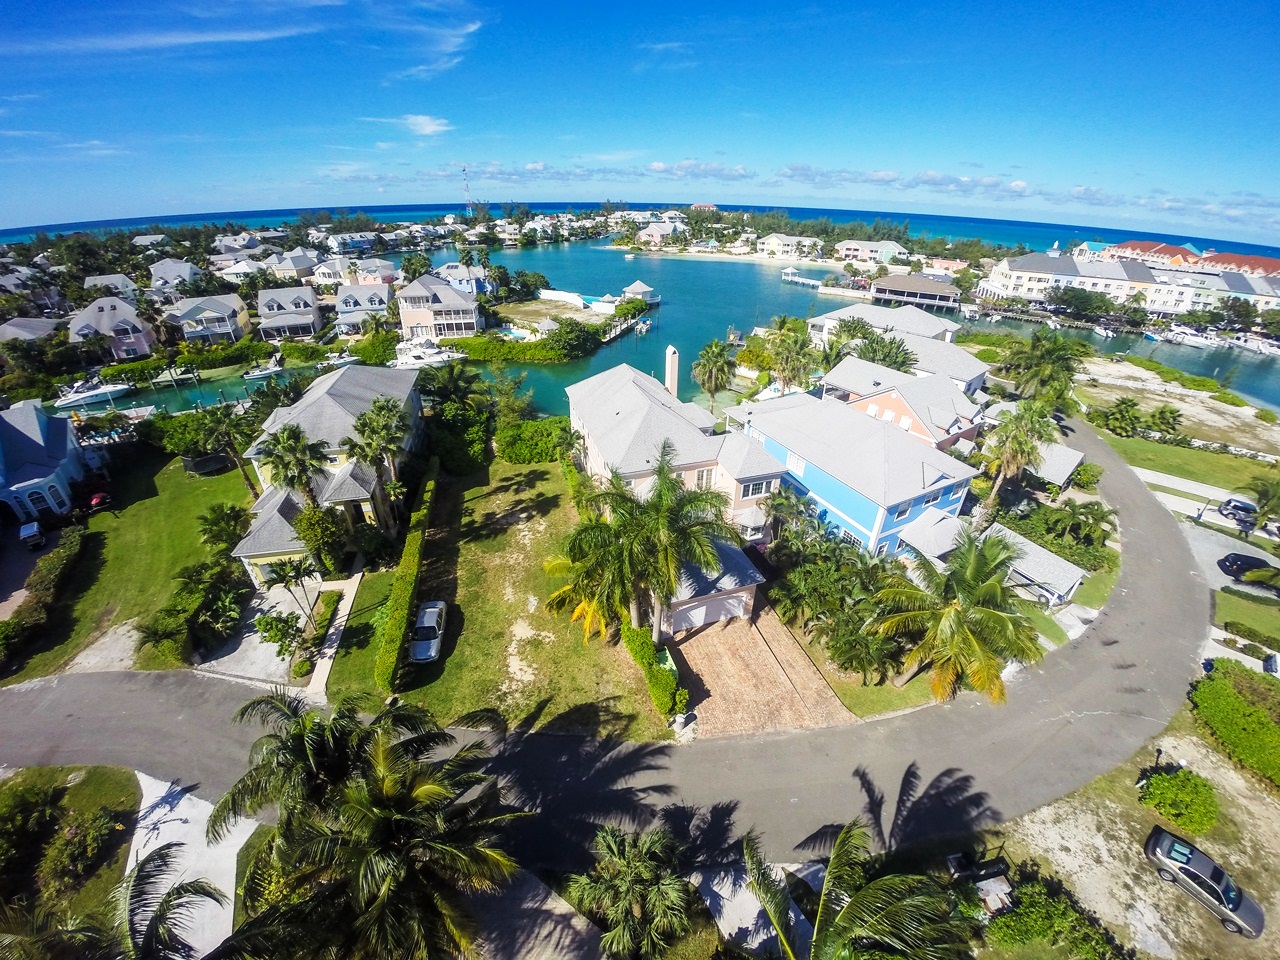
(166, 274)
(895, 320)
(40, 458)
(339, 270)
(289, 312)
(787, 247)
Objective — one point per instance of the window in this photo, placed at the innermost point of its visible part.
(873, 409)
(37, 501)
(905, 423)
(795, 464)
(1205, 887)
(933, 498)
(882, 549)
(902, 511)
(58, 498)
(848, 537)
(706, 476)
(887, 415)
(757, 488)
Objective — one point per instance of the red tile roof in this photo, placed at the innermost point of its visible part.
(1242, 262)
(1149, 247)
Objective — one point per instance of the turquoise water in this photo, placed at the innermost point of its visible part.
(185, 397)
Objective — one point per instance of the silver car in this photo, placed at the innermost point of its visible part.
(1177, 861)
(428, 631)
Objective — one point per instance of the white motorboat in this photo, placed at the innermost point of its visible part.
(1188, 337)
(643, 327)
(629, 256)
(90, 391)
(264, 370)
(416, 354)
(334, 360)
(1105, 332)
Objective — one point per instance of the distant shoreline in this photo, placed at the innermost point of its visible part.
(831, 266)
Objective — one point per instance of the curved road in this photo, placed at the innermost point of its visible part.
(1080, 712)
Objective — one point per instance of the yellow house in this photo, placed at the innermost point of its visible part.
(326, 413)
(222, 319)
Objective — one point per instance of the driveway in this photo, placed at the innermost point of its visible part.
(16, 564)
(245, 655)
(1210, 546)
(1076, 714)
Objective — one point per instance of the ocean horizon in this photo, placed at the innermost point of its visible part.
(1036, 235)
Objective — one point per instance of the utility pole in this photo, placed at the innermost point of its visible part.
(466, 183)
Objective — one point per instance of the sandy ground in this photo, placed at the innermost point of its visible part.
(114, 650)
(835, 266)
(527, 314)
(1203, 417)
(1094, 843)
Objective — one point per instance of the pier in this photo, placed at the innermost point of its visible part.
(620, 327)
(791, 275)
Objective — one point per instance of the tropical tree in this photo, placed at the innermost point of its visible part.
(149, 919)
(1124, 417)
(1092, 522)
(1165, 418)
(293, 459)
(793, 358)
(636, 890)
(466, 257)
(381, 430)
(964, 619)
(414, 265)
(1264, 491)
(222, 526)
(714, 369)
(861, 916)
(891, 352)
(223, 430)
(294, 573)
(1046, 365)
(602, 573)
(455, 382)
(1016, 442)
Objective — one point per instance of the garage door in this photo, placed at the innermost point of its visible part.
(709, 610)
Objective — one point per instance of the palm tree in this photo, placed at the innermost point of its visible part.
(1265, 491)
(293, 459)
(785, 509)
(1124, 418)
(454, 382)
(307, 756)
(148, 920)
(793, 358)
(1046, 366)
(1091, 522)
(293, 573)
(228, 432)
(602, 571)
(1165, 418)
(964, 617)
(714, 369)
(636, 890)
(891, 352)
(222, 526)
(860, 917)
(466, 257)
(1017, 441)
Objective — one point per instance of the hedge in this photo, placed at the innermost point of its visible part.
(1232, 701)
(481, 348)
(244, 351)
(1245, 594)
(1252, 634)
(377, 349)
(303, 352)
(397, 613)
(327, 606)
(42, 591)
(1090, 558)
(659, 670)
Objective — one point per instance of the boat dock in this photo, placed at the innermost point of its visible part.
(791, 275)
(620, 327)
(174, 377)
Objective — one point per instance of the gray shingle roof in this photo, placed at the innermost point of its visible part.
(437, 292)
(914, 283)
(111, 281)
(33, 443)
(862, 377)
(904, 319)
(736, 571)
(328, 410)
(286, 297)
(27, 328)
(874, 458)
(352, 481)
(272, 529)
(941, 356)
(747, 408)
(360, 294)
(1057, 463)
(101, 316)
(744, 459)
(938, 403)
(170, 270)
(193, 309)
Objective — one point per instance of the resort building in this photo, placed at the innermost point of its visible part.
(1244, 263)
(1151, 252)
(358, 302)
(223, 319)
(326, 413)
(430, 308)
(116, 284)
(914, 289)
(469, 279)
(117, 320)
(351, 242)
(166, 274)
(870, 251)
(787, 247)
(289, 312)
(895, 320)
(40, 459)
(930, 409)
(867, 476)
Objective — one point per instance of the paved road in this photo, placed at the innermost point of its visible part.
(1209, 546)
(1081, 711)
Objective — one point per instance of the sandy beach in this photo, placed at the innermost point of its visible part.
(833, 266)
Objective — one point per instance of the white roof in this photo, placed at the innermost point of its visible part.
(904, 319)
(1057, 463)
(942, 357)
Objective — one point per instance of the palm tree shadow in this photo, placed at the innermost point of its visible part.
(711, 849)
(573, 784)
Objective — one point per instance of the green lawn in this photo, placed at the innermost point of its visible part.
(352, 670)
(113, 790)
(1159, 488)
(1219, 469)
(1096, 588)
(502, 650)
(1257, 615)
(131, 554)
(1047, 627)
(870, 700)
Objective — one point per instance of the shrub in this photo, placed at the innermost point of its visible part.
(989, 355)
(393, 619)
(26, 812)
(42, 591)
(659, 670)
(303, 352)
(1230, 399)
(1246, 595)
(282, 630)
(1047, 913)
(378, 547)
(326, 607)
(243, 351)
(302, 669)
(322, 531)
(1086, 477)
(531, 441)
(1265, 415)
(1087, 556)
(1252, 634)
(76, 850)
(1184, 797)
(378, 349)
(1233, 701)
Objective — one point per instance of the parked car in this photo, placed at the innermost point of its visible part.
(1236, 565)
(1177, 861)
(428, 631)
(31, 535)
(1241, 511)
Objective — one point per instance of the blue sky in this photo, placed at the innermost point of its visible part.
(1112, 114)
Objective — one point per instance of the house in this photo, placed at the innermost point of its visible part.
(1247, 264)
(242, 270)
(40, 459)
(234, 243)
(894, 320)
(867, 477)
(326, 413)
(430, 308)
(1154, 253)
(358, 302)
(624, 416)
(869, 251)
(914, 289)
(207, 320)
(28, 328)
(639, 290)
(469, 279)
(704, 597)
(289, 312)
(336, 271)
(118, 321)
(787, 247)
(946, 359)
(931, 409)
(1057, 463)
(151, 240)
(659, 234)
(115, 283)
(351, 242)
(373, 270)
(1039, 572)
(297, 264)
(166, 274)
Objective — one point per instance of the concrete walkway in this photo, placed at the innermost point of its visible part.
(329, 649)
(1204, 491)
(528, 921)
(739, 915)
(171, 813)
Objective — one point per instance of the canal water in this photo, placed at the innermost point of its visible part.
(701, 300)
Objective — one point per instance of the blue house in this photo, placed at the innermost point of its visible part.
(869, 477)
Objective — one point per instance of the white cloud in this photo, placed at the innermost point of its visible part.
(440, 47)
(536, 167)
(417, 123)
(156, 40)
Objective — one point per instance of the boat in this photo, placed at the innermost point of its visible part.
(1104, 332)
(643, 327)
(1152, 335)
(334, 360)
(264, 370)
(1053, 324)
(629, 256)
(90, 391)
(1188, 337)
(416, 354)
